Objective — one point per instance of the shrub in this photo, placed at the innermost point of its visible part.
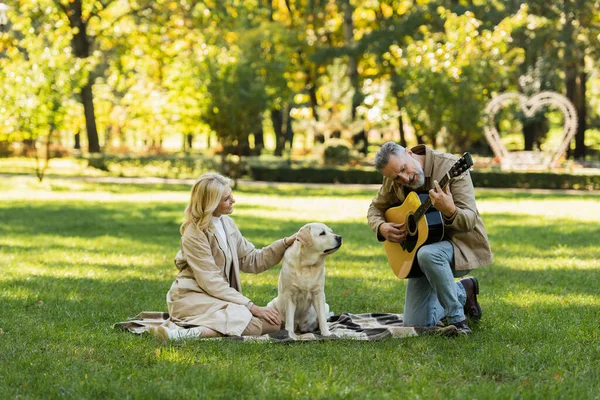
(278, 170)
(314, 175)
(172, 166)
(525, 180)
(98, 162)
(535, 180)
(337, 152)
(6, 149)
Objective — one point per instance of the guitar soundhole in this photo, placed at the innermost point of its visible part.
(411, 225)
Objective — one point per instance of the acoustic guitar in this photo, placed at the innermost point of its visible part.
(424, 224)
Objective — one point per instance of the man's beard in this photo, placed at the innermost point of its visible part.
(419, 179)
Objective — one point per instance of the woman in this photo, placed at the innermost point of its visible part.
(206, 296)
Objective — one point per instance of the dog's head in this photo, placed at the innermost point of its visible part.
(319, 238)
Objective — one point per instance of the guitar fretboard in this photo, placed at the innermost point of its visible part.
(427, 203)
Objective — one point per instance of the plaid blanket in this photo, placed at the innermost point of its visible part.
(343, 326)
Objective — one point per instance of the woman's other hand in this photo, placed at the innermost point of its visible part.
(270, 315)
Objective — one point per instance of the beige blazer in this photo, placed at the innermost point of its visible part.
(207, 291)
(465, 230)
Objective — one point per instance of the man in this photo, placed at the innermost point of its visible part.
(435, 295)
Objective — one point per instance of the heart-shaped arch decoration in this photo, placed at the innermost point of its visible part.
(530, 106)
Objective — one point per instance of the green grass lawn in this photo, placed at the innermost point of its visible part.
(77, 257)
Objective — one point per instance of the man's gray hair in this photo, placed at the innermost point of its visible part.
(382, 157)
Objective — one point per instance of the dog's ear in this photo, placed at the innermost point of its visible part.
(304, 236)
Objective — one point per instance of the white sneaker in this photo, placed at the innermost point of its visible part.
(164, 334)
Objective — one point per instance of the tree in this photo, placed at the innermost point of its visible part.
(89, 22)
(233, 107)
(446, 73)
(37, 77)
(563, 35)
(82, 42)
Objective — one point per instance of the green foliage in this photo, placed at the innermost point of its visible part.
(180, 68)
(38, 76)
(336, 152)
(77, 257)
(452, 74)
(235, 103)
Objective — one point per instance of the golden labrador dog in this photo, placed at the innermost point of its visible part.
(301, 290)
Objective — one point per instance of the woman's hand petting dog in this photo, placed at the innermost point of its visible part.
(288, 241)
(270, 315)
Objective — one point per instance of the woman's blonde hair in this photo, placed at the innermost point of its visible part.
(205, 196)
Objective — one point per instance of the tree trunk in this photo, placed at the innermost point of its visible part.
(360, 141)
(401, 127)
(580, 149)
(81, 49)
(242, 147)
(90, 119)
(77, 141)
(289, 132)
(570, 84)
(277, 119)
(530, 128)
(259, 141)
(312, 93)
(569, 59)
(352, 61)
(534, 131)
(309, 84)
(398, 90)
(186, 143)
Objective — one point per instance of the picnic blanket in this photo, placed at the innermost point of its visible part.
(373, 326)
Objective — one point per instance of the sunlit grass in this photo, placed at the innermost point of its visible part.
(68, 166)
(76, 257)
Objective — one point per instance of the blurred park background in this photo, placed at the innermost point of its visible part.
(301, 91)
(173, 88)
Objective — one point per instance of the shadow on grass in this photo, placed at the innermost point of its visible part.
(555, 282)
(160, 224)
(283, 190)
(514, 236)
(107, 300)
(90, 220)
(77, 313)
(509, 195)
(120, 188)
(511, 236)
(537, 335)
(148, 223)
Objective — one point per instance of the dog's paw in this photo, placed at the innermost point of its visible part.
(291, 333)
(325, 332)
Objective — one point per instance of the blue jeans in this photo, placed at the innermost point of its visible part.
(436, 295)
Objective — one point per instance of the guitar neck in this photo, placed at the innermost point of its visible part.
(427, 203)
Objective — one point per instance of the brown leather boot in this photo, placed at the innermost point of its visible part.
(472, 308)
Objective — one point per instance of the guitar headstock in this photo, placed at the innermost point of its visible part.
(463, 164)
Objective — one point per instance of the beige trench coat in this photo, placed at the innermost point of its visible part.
(207, 291)
(465, 230)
